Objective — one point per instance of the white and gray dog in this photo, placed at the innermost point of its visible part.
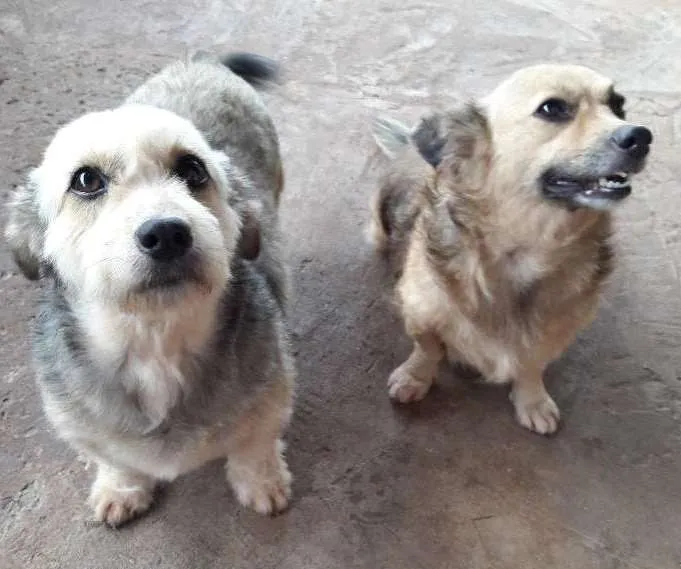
(161, 343)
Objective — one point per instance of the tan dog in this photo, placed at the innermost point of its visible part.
(497, 216)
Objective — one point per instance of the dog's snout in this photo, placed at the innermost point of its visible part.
(164, 239)
(634, 140)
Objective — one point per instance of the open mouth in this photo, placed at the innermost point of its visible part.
(613, 187)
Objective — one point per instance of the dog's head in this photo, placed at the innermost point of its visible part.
(128, 204)
(549, 132)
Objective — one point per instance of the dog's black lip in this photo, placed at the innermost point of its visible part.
(163, 283)
(166, 276)
(558, 186)
(160, 284)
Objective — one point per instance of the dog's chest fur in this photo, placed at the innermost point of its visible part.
(151, 354)
(152, 367)
(523, 268)
(491, 305)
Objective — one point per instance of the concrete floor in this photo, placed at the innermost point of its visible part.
(453, 482)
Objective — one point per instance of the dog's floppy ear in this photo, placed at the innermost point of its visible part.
(249, 239)
(616, 103)
(429, 137)
(453, 135)
(25, 232)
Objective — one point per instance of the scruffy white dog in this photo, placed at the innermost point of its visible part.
(161, 343)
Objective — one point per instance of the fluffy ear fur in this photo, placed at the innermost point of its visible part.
(451, 137)
(429, 137)
(25, 231)
(249, 240)
(390, 135)
(459, 145)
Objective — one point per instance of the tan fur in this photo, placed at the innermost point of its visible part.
(256, 469)
(492, 274)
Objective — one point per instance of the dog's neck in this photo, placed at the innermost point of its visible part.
(543, 227)
(149, 349)
(510, 245)
(502, 223)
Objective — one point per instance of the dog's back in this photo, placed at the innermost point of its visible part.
(224, 107)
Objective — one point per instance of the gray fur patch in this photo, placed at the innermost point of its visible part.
(249, 348)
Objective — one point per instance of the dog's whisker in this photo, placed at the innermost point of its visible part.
(105, 260)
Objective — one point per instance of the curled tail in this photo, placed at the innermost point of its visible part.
(390, 135)
(256, 70)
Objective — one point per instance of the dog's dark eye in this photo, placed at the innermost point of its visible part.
(554, 110)
(192, 171)
(88, 182)
(616, 104)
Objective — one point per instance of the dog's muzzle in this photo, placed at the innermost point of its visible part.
(167, 244)
(605, 179)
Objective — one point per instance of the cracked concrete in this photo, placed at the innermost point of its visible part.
(453, 482)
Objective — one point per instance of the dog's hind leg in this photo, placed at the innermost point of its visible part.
(256, 468)
(119, 495)
(534, 408)
(413, 379)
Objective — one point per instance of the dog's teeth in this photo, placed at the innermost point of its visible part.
(612, 184)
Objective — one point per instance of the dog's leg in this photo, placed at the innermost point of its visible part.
(256, 468)
(412, 380)
(534, 408)
(119, 495)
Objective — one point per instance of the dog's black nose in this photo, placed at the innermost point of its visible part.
(164, 239)
(634, 140)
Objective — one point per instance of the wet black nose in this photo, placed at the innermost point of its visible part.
(164, 239)
(634, 140)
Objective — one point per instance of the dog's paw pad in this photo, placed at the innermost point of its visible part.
(115, 506)
(267, 493)
(405, 388)
(539, 415)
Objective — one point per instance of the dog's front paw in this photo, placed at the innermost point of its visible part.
(536, 413)
(116, 506)
(405, 388)
(264, 487)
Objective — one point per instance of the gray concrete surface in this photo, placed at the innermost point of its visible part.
(453, 482)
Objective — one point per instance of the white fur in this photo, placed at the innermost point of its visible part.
(92, 245)
(154, 346)
(96, 253)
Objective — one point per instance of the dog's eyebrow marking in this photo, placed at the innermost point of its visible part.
(109, 164)
(115, 162)
(615, 102)
(570, 94)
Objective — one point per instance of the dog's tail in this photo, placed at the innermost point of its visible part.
(256, 70)
(391, 135)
